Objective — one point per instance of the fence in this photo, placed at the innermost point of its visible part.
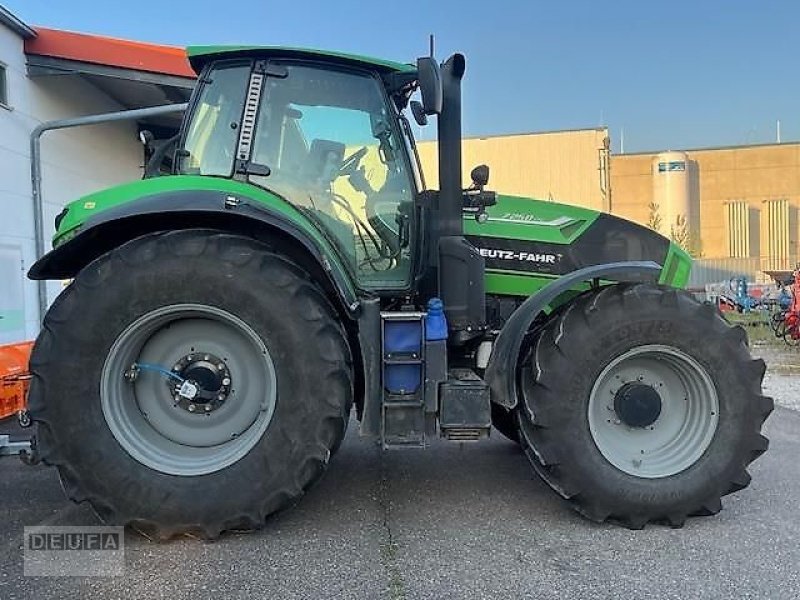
(707, 271)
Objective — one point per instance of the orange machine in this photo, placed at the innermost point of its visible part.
(14, 379)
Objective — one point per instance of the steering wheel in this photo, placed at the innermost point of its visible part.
(350, 164)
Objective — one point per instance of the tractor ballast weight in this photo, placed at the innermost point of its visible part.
(293, 264)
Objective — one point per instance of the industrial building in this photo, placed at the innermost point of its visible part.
(46, 75)
(743, 200)
(566, 166)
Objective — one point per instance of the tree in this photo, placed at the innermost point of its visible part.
(682, 236)
(654, 217)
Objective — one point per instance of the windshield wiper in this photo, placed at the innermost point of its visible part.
(413, 143)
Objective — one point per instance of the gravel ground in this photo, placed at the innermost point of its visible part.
(452, 521)
(782, 380)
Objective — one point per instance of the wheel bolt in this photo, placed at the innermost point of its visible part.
(226, 381)
(208, 408)
(192, 408)
(221, 397)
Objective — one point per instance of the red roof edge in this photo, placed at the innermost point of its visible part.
(112, 52)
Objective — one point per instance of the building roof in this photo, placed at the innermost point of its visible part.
(14, 24)
(753, 146)
(199, 55)
(134, 74)
(112, 52)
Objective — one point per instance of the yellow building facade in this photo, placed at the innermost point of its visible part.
(747, 196)
(564, 166)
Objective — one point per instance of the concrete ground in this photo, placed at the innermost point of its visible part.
(452, 521)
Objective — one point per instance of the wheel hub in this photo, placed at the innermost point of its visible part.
(637, 404)
(206, 383)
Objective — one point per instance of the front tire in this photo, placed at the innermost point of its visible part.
(199, 306)
(641, 404)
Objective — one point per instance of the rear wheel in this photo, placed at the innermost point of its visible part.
(641, 404)
(191, 381)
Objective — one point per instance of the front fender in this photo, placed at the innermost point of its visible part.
(502, 367)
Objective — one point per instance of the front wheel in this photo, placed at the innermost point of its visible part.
(191, 381)
(641, 404)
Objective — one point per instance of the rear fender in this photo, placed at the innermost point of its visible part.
(188, 209)
(501, 371)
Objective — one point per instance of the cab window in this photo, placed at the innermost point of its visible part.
(331, 143)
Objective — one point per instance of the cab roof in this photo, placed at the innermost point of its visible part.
(200, 55)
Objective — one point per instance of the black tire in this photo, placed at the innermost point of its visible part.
(569, 355)
(269, 292)
(505, 421)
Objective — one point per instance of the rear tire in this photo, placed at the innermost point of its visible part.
(641, 404)
(164, 469)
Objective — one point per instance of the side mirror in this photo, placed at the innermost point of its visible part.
(480, 176)
(476, 199)
(430, 85)
(419, 113)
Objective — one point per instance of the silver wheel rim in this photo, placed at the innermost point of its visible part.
(143, 415)
(687, 417)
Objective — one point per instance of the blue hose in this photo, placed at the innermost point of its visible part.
(158, 369)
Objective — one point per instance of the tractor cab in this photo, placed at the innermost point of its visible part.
(323, 133)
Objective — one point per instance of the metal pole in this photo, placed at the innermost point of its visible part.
(36, 168)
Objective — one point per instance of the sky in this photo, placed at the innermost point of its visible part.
(663, 75)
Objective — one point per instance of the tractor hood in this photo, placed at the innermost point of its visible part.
(527, 242)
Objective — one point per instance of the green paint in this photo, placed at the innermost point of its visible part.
(677, 267)
(515, 284)
(514, 217)
(84, 208)
(509, 283)
(199, 55)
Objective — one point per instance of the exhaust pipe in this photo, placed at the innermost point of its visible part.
(449, 124)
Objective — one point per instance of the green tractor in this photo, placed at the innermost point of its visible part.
(224, 319)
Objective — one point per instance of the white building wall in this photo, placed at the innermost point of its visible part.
(75, 162)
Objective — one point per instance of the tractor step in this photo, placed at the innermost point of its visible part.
(403, 376)
(464, 434)
(417, 386)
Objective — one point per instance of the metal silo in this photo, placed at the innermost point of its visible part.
(673, 198)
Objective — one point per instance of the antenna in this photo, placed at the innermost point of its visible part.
(622, 141)
(431, 45)
(778, 131)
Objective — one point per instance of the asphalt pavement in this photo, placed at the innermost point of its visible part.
(451, 521)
